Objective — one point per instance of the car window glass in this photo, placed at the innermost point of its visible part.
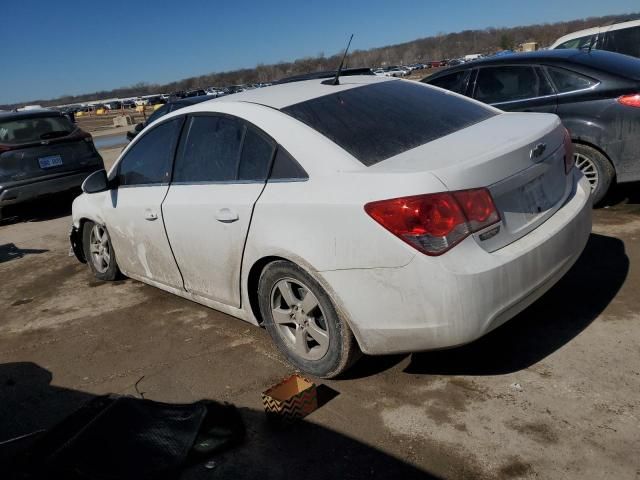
(148, 161)
(256, 156)
(568, 81)
(504, 84)
(456, 82)
(26, 130)
(285, 167)
(582, 42)
(625, 40)
(163, 110)
(210, 151)
(378, 121)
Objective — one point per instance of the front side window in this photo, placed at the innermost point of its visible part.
(210, 151)
(509, 83)
(568, 81)
(380, 120)
(149, 160)
(456, 82)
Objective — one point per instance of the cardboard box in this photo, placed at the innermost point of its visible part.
(295, 397)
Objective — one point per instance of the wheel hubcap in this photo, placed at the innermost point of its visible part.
(100, 248)
(299, 319)
(588, 168)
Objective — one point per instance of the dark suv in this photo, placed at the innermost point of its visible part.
(596, 94)
(42, 152)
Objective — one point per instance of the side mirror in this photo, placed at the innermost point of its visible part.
(96, 182)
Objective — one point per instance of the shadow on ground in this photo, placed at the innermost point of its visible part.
(547, 325)
(305, 450)
(9, 251)
(625, 193)
(46, 208)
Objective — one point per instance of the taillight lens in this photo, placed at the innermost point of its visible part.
(435, 223)
(568, 152)
(632, 100)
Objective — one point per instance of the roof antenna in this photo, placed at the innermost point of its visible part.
(336, 79)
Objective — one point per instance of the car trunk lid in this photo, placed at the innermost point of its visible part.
(519, 157)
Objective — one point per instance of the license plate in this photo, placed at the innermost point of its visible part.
(50, 162)
(534, 198)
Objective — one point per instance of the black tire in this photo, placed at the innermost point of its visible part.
(597, 168)
(111, 272)
(342, 350)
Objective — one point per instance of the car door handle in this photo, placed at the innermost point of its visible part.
(151, 216)
(225, 215)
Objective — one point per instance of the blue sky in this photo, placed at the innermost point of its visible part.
(51, 48)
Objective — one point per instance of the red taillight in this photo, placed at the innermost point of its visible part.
(6, 148)
(568, 152)
(434, 223)
(632, 100)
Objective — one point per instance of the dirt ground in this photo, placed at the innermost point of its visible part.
(554, 393)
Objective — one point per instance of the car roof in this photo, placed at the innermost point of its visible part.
(286, 94)
(40, 112)
(595, 60)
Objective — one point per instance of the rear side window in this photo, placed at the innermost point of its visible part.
(286, 168)
(378, 121)
(581, 42)
(210, 151)
(626, 41)
(255, 160)
(509, 83)
(456, 82)
(28, 130)
(149, 160)
(568, 81)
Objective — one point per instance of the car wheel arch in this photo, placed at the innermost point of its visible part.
(253, 277)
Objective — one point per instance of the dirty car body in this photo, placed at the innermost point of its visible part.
(41, 153)
(427, 218)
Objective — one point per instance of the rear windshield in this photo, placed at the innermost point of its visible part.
(381, 120)
(29, 129)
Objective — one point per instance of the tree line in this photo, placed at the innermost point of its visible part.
(437, 47)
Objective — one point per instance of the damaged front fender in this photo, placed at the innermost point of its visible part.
(75, 238)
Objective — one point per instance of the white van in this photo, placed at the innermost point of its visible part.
(620, 37)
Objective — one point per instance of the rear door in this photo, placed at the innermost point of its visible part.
(133, 216)
(515, 88)
(220, 171)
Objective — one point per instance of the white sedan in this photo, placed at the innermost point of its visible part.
(377, 215)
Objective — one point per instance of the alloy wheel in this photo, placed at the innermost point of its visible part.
(100, 248)
(588, 168)
(299, 319)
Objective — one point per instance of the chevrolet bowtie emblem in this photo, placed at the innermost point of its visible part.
(538, 150)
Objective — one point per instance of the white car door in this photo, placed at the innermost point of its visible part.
(221, 168)
(133, 216)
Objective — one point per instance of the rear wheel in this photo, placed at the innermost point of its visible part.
(303, 322)
(596, 167)
(99, 252)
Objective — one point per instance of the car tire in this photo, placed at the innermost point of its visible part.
(307, 330)
(596, 167)
(96, 242)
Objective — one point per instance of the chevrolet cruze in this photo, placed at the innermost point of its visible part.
(378, 215)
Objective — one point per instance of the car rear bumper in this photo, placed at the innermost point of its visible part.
(18, 192)
(441, 302)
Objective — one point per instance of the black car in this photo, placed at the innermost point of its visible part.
(163, 110)
(596, 94)
(42, 152)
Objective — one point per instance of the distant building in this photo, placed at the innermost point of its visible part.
(529, 47)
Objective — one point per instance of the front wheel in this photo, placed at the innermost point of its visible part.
(596, 167)
(303, 322)
(99, 252)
